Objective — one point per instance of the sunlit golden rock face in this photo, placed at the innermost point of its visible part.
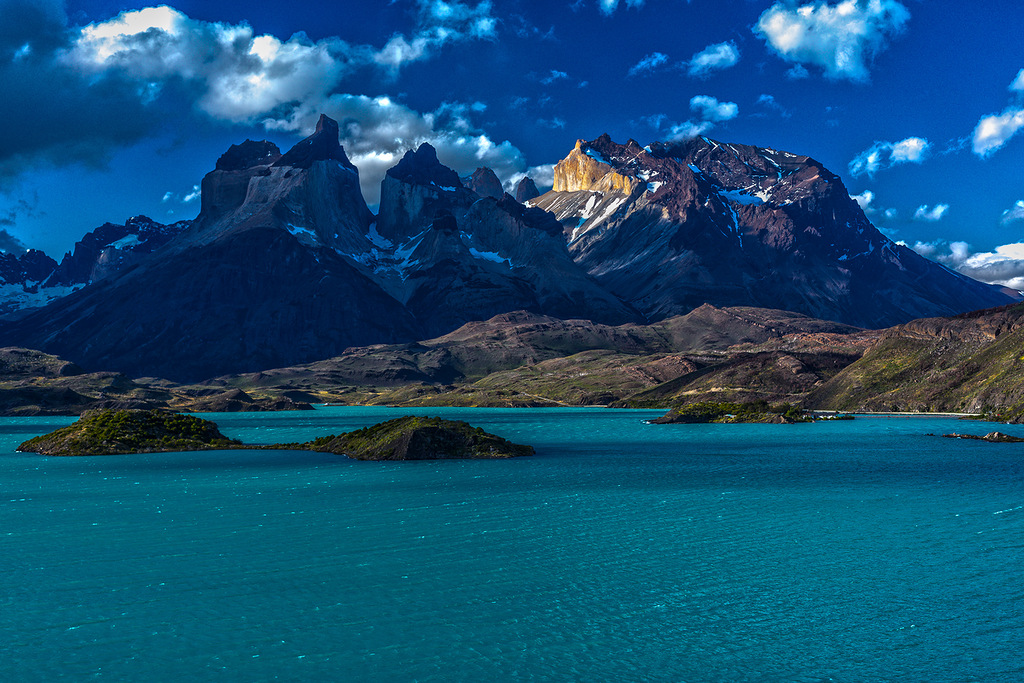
(581, 172)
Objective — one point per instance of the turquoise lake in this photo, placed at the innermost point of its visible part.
(845, 551)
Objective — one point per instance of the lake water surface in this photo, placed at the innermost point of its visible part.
(845, 551)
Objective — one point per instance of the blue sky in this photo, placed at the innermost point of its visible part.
(113, 109)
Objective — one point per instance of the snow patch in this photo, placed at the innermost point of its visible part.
(16, 297)
(377, 239)
(611, 208)
(489, 256)
(126, 242)
(300, 231)
(653, 187)
(742, 197)
(588, 210)
(596, 156)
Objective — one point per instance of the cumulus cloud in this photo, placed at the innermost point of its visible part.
(931, 214)
(554, 76)
(648, 63)
(798, 73)
(107, 76)
(377, 131)
(1018, 83)
(61, 117)
(864, 199)
(1004, 266)
(841, 39)
(770, 103)
(238, 76)
(608, 7)
(709, 111)
(713, 58)
(952, 254)
(995, 130)
(543, 177)
(10, 244)
(885, 154)
(1014, 213)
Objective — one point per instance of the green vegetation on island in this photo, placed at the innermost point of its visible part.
(114, 432)
(123, 432)
(754, 411)
(418, 438)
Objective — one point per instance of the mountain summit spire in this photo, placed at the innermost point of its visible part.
(322, 145)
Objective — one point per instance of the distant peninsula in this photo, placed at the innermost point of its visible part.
(125, 432)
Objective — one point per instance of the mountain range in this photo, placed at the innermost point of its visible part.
(286, 264)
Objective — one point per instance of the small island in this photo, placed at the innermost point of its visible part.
(116, 432)
(706, 412)
(991, 437)
(125, 432)
(418, 438)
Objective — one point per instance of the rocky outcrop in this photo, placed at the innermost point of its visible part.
(322, 145)
(259, 280)
(111, 248)
(27, 268)
(418, 191)
(669, 227)
(485, 183)
(526, 190)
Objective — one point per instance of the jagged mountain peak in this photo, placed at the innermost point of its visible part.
(673, 225)
(322, 145)
(249, 154)
(484, 182)
(526, 190)
(422, 167)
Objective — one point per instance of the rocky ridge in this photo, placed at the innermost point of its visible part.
(668, 227)
(286, 264)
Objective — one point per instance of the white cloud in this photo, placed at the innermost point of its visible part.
(238, 76)
(798, 73)
(842, 39)
(689, 129)
(885, 154)
(1018, 83)
(770, 103)
(648, 63)
(554, 76)
(1004, 266)
(376, 132)
(864, 199)
(609, 6)
(909, 150)
(709, 110)
(192, 196)
(713, 58)
(1014, 213)
(995, 130)
(543, 177)
(931, 214)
